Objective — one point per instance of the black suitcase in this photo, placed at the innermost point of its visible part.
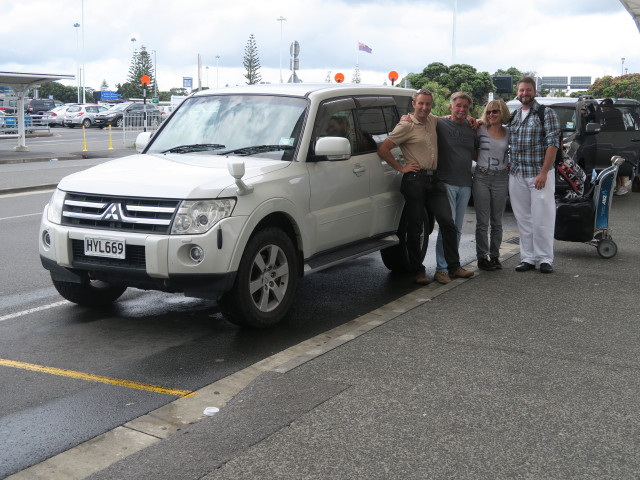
(574, 221)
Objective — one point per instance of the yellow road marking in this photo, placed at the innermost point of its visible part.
(95, 378)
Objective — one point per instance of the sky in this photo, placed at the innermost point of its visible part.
(548, 37)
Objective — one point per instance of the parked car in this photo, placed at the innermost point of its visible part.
(82, 115)
(39, 106)
(9, 123)
(234, 198)
(130, 114)
(591, 137)
(55, 117)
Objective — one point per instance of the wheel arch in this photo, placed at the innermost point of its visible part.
(279, 213)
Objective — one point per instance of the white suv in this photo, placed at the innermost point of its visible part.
(239, 194)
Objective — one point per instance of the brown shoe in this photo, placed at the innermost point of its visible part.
(461, 273)
(442, 277)
(422, 279)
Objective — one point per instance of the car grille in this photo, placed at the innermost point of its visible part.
(126, 214)
(134, 257)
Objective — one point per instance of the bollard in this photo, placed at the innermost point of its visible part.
(110, 139)
(84, 139)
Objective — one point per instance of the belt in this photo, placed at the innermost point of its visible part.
(426, 171)
(489, 171)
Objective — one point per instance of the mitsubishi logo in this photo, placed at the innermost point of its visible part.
(113, 212)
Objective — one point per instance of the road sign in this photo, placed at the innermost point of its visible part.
(107, 95)
(187, 82)
(155, 99)
(145, 80)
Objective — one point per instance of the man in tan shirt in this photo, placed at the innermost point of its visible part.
(421, 186)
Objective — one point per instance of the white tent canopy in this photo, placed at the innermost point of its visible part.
(633, 7)
(21, 83)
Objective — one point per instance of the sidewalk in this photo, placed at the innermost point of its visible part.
(505, 375)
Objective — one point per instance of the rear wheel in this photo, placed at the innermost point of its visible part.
(119, 122)
(86, 123)
(265, 283)
(94, 293)
(396, 258)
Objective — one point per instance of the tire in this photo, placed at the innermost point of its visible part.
(86, 123)
(266, 281)
(92, 294)
(607, 248)
(396, 258)
(119, 122)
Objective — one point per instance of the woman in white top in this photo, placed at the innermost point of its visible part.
(491, 183)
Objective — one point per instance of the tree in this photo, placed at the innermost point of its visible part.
(625, 86)
(459, 77)
(60, 92)
(104, 85)
(141, 64)
(251, 62)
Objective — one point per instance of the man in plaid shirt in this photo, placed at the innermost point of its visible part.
(533, 148)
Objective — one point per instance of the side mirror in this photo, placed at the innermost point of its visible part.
(592, 127)
(142, 140)
(236, 170)
(333, 148)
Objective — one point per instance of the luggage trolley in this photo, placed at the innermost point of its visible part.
(587, 220)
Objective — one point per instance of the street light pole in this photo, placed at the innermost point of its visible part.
(155, 79)
(281, 19)
(622, 70)
(78, 71)
(217, 70)
(84, 70)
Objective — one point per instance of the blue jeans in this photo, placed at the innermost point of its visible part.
(458, 199)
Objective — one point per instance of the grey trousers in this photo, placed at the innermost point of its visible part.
(490, 191)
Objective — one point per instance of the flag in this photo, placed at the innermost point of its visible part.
(363, 47)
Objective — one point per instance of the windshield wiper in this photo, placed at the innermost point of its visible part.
(257, 149)
(195, 147)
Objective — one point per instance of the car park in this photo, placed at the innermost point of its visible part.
(234, 198)
(82, 115)
(130, 114)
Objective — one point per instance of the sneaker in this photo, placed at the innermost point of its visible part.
(422, 279)
(442, 277)
(495, 261)
(485, 264)
(525, 267)
(621, 190)
(461, 273)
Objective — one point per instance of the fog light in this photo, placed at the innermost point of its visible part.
(196, 253)
(46, 238)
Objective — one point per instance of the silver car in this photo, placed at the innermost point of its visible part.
(82, 115)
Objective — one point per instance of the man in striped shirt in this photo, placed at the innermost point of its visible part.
(533, 145)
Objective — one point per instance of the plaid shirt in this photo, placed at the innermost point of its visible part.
(527, 146)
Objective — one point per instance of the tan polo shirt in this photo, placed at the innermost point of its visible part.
(418, 141)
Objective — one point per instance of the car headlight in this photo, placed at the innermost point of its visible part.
(54, 211)
(198, 216)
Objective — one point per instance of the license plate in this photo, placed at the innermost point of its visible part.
(104, 247)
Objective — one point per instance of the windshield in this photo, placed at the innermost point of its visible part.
(258, 125)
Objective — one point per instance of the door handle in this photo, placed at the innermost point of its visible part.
(358, 169)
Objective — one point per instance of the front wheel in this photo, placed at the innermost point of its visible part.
(396, 258)
(607, 248)
(266, 281)
(119, 122)
(86, 123)
(94, 293)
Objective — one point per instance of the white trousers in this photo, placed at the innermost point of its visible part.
(535, 212)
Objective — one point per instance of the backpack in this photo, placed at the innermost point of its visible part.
(566, 167)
